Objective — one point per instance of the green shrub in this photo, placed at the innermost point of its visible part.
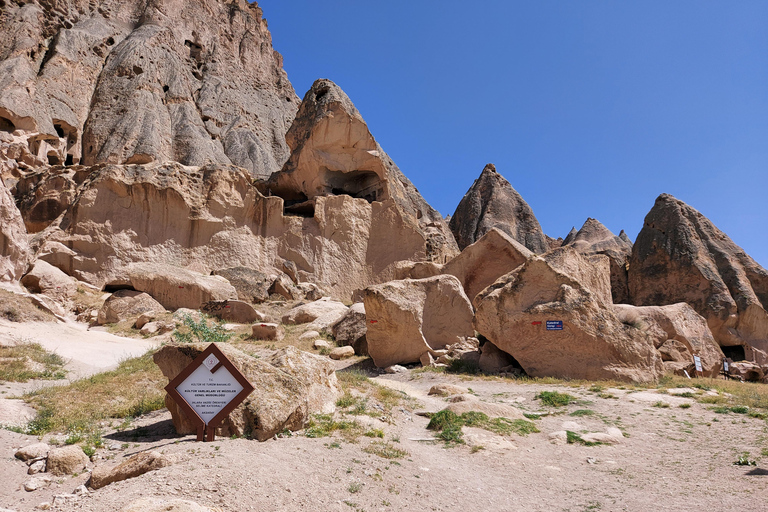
(555, 399)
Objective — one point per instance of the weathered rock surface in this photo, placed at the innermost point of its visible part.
(46, 279)
(594, 238)
(679, 333)
(235, 311)
(491, 202)
(680, 256)
(66, 461)
(333, 152)
(290, 387)
(267, 331)
(486, 260)
(564, 286)
(320, 314)
(409, 317)
(128, 304)
(136, 82)
(174, 287)
(251, 284)
(468, 403)
(15, 253)
(350, 330)
(32, 451)
(136, 465)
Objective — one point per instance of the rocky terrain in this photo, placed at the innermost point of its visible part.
(157, 165)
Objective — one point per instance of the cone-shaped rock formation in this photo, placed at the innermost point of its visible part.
(491, 202)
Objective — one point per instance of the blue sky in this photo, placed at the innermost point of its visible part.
(589, 108)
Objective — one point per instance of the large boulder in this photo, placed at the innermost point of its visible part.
(678, 333)
(66, 460)
(136, 82)
(137, 465)
(491, 202)
(252, 285)
(320, 314)
(46, 279)
(128, 305)
(175, 287)
(289, 388)
(519, 315)
(594, 238)
(15, 253)
(680, 256)
(411, 317)
(350, 329)
(483, 262)
(235, 311)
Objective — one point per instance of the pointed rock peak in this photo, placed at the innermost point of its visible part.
(623, 235)
(570, 236)
(593, 231)
(491, 202)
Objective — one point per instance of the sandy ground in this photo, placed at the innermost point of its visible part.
(672, 458)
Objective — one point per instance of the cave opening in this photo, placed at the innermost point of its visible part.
(735, 353)
(358, 184)
(6, 125)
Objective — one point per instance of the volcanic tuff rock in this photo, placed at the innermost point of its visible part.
(15, 253)
(141, 81)
(410, 317)
(680, 256)
(333, 152)
(563, 285)
(491, 202)
(594, 238)
(486, 260)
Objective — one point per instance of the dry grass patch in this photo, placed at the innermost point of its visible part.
(27, 361)
(134, 388)
(16, 308)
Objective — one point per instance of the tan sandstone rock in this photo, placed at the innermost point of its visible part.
(289, 387)
(409, 317)
(32, 451)
(320, 314)
(235, 311)
(483, 262)
(680, 256)
(564, 286)
(15, 253)
(136, 465)
(679, 333)
(267, 331)
(66, 461)
(46, 279)
(127, 304)
(351, 329)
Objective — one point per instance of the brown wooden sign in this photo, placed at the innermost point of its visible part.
(208, 389)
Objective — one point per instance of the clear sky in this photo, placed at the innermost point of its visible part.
(589, 108)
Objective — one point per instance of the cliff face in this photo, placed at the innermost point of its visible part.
(135, 81)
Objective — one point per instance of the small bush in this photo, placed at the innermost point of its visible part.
(574, 438)
(385, 450)
(685, 406)
(201, 332)
(582, 412)
(744, 460)
(662, 405)
(555, 399)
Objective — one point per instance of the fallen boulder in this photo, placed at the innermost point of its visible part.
(553, 315)
(128, 304)
(252, 285)
(46, 279)
(351, 329)
(320, 314)
(235, 311)
(136, 465)
(409, 317)
(66, 460)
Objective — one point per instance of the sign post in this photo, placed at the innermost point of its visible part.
(554, 325)
(208, 389)
(697, 364)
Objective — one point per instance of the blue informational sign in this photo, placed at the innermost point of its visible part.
(554, 325)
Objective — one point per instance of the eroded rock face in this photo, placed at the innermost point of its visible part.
(410, 317)
(594, 238)
(680, 256)
(678, 333)
(333, 153)
(135, 82)
(491, 202)
(290, 387)
(564, 286)
(128, 305)
(15, 253)
(483, 262)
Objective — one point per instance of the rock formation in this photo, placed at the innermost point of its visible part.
(134, 82)
(678, 333)
(491, 202)
(334, 153)
(594, 238)
(680, 256)
(14, 249)
(409, 318)
(516, 315)
(483, 262)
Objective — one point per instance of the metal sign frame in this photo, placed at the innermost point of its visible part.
(206, 431)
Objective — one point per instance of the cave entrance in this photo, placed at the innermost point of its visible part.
(359, 184)
(6, 125)
(735, 353)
